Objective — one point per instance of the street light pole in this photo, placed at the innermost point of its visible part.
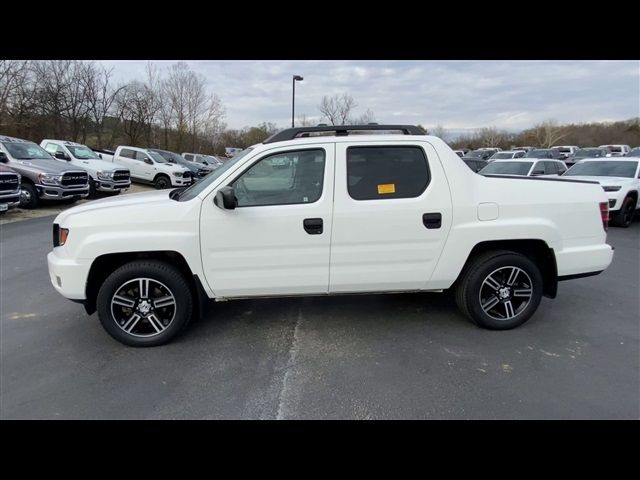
(296, 78)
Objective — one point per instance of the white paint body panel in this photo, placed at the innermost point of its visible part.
(366, 246)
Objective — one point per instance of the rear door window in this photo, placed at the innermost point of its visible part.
(128, 153)
(386, 172)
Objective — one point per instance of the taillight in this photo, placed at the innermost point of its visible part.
(604, 213)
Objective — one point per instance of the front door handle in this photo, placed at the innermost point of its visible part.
(313, 226)
(432, 220)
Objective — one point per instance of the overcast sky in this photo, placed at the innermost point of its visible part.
(458, 95)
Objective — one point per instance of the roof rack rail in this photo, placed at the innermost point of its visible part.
(341, 130)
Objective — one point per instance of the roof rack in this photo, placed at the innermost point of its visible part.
(341, 130)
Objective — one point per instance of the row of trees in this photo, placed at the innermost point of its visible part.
(79, 101)
(549, 133)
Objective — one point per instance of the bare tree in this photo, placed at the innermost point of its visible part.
(366, 118)
(12, 76)
(100, 97)
(337, 109)
(440, 132)
(548, 133)
(490, 136)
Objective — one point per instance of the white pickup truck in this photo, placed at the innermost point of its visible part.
(105, 176)
(322, 215)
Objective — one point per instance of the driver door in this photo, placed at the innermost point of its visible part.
(276, 242)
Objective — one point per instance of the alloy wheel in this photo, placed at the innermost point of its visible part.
(505, 293)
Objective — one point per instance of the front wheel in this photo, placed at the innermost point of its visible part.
(500, 290)
(29, 196)
(625, 217)
(145, 303)
(162, 182)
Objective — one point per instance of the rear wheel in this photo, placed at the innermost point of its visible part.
(145, 303)
(499, 290)
(29, 196)
(624, 218)
(162, 182)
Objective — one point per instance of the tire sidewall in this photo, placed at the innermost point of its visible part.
(161, 272)
(477, 277)
(33, 193)
(629, 204)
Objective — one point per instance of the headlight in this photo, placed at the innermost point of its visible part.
(612, 189)
(104, 175)
(48, 179)
(177, 174)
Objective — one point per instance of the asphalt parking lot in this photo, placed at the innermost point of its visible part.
(407, 356)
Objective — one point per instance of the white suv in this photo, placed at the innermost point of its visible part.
(150, 167)
(105, 176)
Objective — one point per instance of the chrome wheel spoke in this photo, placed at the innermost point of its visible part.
(492, 283)
(490, 303)
(155, 323)
(508, 308)
(522, 292)
(144, 287)
(131, 323)
(164, 301)
(124, 301)
(513, 275)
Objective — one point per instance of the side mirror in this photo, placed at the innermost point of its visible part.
(148, 161)
(3, 158)
(226, 199)
(536, 173)
(62, 156)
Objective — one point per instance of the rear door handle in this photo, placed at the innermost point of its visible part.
(313, 226)
(432, 220)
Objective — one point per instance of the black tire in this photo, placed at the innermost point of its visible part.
(471, 286)
(92, 189)
(157, 271)
(624, 218)
(161, 182)
(29, 200)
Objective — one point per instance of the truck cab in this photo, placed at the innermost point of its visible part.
(109, 177)
(42, 177)
(319, 211)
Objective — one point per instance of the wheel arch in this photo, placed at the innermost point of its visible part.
(536, 250)
(162, 174)
(633, 194)
(106, 264)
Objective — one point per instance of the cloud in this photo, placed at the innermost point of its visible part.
(455, 94)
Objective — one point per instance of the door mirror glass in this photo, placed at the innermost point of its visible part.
(148, 161)
(62, 156)
(226, 198)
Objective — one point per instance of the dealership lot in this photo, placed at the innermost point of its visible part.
(368, 356)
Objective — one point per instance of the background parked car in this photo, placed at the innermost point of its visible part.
(526, 149)
(582, 153)
(617, 150)
(507, 154)
(543, 153)
(208, 160)
(460, 153)
(565, 151)
(635, 152)
(42, 176)
(475, 164)
(9, 188)
(620, 180)
(482, 153)
(105, 176)
(525, 168)
(198, 170)
(147, 166)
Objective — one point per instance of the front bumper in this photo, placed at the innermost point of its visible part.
(107, 186)
(180, 181)
(68, 277)
(9, 200)
(48, 192)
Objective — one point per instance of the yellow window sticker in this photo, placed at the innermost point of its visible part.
(386, 188)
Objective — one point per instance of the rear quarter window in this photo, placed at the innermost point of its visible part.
(127, 153)
(386, 172)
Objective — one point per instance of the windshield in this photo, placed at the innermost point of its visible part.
(477, 154)
(83, 153)
(502, 155)
(507, 168)
(589, 152)
(157, 157)
(169, 156)
(195, 189)
(605, 168)
(634, 153)
(26, 151)
(539, 153)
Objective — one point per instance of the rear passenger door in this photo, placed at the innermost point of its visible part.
(392, 213)
(126, 157)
